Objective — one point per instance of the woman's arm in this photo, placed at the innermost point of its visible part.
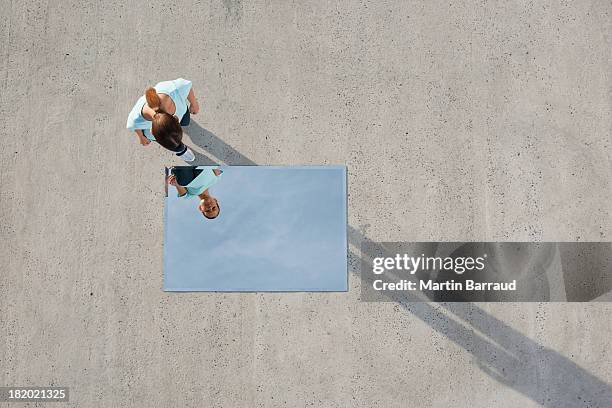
(194, 106)
(142, 138)
(180, 189)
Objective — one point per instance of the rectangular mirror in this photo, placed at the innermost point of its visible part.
(255, 228)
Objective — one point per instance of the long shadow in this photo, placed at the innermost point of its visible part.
(542, 374)
(511, 358)
(213, 145)
(202, 159)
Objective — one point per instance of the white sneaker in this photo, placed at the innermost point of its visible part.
(188, 156)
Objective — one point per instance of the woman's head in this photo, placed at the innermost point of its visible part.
(209, 207)
(166, 127)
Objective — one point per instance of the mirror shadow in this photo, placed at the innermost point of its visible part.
(511, 358)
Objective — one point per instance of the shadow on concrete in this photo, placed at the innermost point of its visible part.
(214, 146)
(201, 160)
(511, 358)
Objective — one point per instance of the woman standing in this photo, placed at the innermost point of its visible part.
(159, 114)
(195, 182)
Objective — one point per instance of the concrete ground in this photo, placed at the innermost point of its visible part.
(457, 120)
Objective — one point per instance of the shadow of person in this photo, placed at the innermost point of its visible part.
(215, 146)
(201, 160)
(506, 355)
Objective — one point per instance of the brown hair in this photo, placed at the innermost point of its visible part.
(165, 128)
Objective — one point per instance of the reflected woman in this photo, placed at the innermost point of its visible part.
(160, 114)
(195, 182)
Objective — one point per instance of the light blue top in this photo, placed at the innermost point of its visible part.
(177, 90)
(204, 180)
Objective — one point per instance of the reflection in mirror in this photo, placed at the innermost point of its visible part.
(255, 228)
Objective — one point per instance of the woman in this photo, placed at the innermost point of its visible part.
(195, 182)
(159, 114)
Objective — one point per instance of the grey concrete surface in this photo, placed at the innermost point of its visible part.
(458, 121)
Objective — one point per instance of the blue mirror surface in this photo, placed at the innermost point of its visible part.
(278, 229)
